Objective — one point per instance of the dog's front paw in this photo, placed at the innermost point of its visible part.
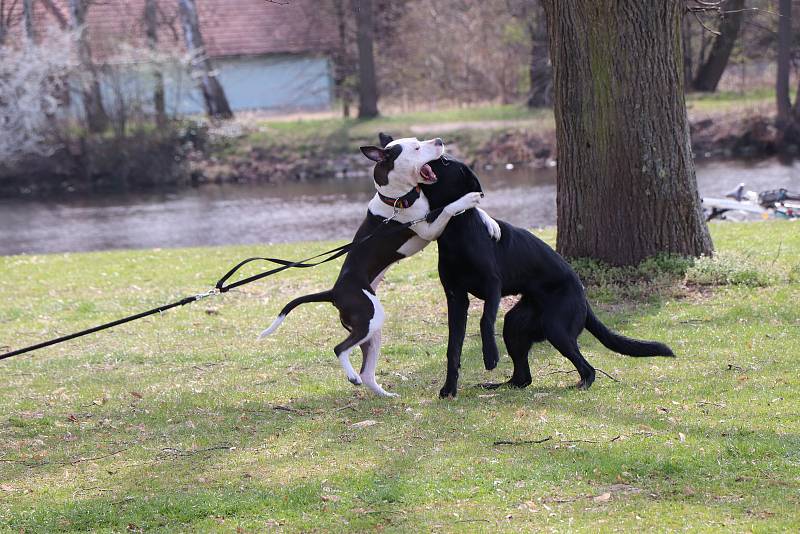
(468, 201)
(491, 225)
(448, 391)
(491, 357)
(494, 229)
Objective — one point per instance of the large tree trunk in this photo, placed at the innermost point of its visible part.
(365, 36)
(626, 178)
(202, 70)
(151, 29)
(784, 48)
(541, 70)
(688, 57)
(96, 117)
(710, 72)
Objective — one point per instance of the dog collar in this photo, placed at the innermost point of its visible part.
(406, 201)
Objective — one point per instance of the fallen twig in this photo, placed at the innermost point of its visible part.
(178, 452)
(525, 442)
(548, 438)
(608, 375)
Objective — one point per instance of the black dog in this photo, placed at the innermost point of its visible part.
(552, 306)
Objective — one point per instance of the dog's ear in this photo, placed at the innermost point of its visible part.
(472, 179)
(394, 152)
(374, 153)
(385, 139)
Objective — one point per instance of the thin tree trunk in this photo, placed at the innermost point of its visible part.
(96, 117)
(5, 21)
(784, 45)
(342, 65)
(202, 70)
(27, 12)
(626, 178)
(151, 28)
(541, 70)
(367, 84)
(56, 12)
(710, 72)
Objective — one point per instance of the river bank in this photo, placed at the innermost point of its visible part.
(316, 149)
(255, 149)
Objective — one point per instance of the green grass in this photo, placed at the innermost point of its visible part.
(467, 126)
(184, 423)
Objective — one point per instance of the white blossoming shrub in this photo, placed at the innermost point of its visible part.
(33, 85)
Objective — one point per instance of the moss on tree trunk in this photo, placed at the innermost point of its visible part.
(626, 178)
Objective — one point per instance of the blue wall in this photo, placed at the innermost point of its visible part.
(276, 82)
(266, 82)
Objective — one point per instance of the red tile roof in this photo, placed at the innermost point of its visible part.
(229, 27)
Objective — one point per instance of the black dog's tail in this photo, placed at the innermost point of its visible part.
(622, 344)
(324, 296)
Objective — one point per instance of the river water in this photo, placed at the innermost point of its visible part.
(269, 213)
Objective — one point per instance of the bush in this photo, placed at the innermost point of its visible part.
(47, 144)
(663, 268)
(729, 269)
(33, 86)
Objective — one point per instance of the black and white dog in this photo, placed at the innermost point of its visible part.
(552, 306)
(401, 166)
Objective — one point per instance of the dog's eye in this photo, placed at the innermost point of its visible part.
(416, 148)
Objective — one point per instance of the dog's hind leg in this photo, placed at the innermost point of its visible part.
(357, 335)
(364, 316)
(521, 328)
(371, 350)
(562, 325)
(567, 345)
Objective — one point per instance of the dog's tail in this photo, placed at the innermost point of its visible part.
(324, 296)
(621, 344)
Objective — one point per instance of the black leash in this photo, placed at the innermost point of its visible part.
(220, 286)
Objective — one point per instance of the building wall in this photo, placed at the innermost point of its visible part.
(275, 82)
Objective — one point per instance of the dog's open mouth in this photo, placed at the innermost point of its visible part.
(427, 174)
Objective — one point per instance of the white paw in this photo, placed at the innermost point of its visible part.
(378, 390)
(493, 228)
(349, 372)
(468, 201)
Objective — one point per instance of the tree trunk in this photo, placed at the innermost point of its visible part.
(96, 117)
(541, 70)
(367, 84)
(784, 49)
(56, 12)
(797, 103)
(626, 179)
(688, 58)
(202, 70)
(151, 28)
(27, 12)
(342, 62)
(710, 72)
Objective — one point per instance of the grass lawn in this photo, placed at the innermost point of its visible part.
(184, 423)
(467, 126)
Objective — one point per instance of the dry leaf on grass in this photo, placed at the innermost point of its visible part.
(363, 424)
(603, 497)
